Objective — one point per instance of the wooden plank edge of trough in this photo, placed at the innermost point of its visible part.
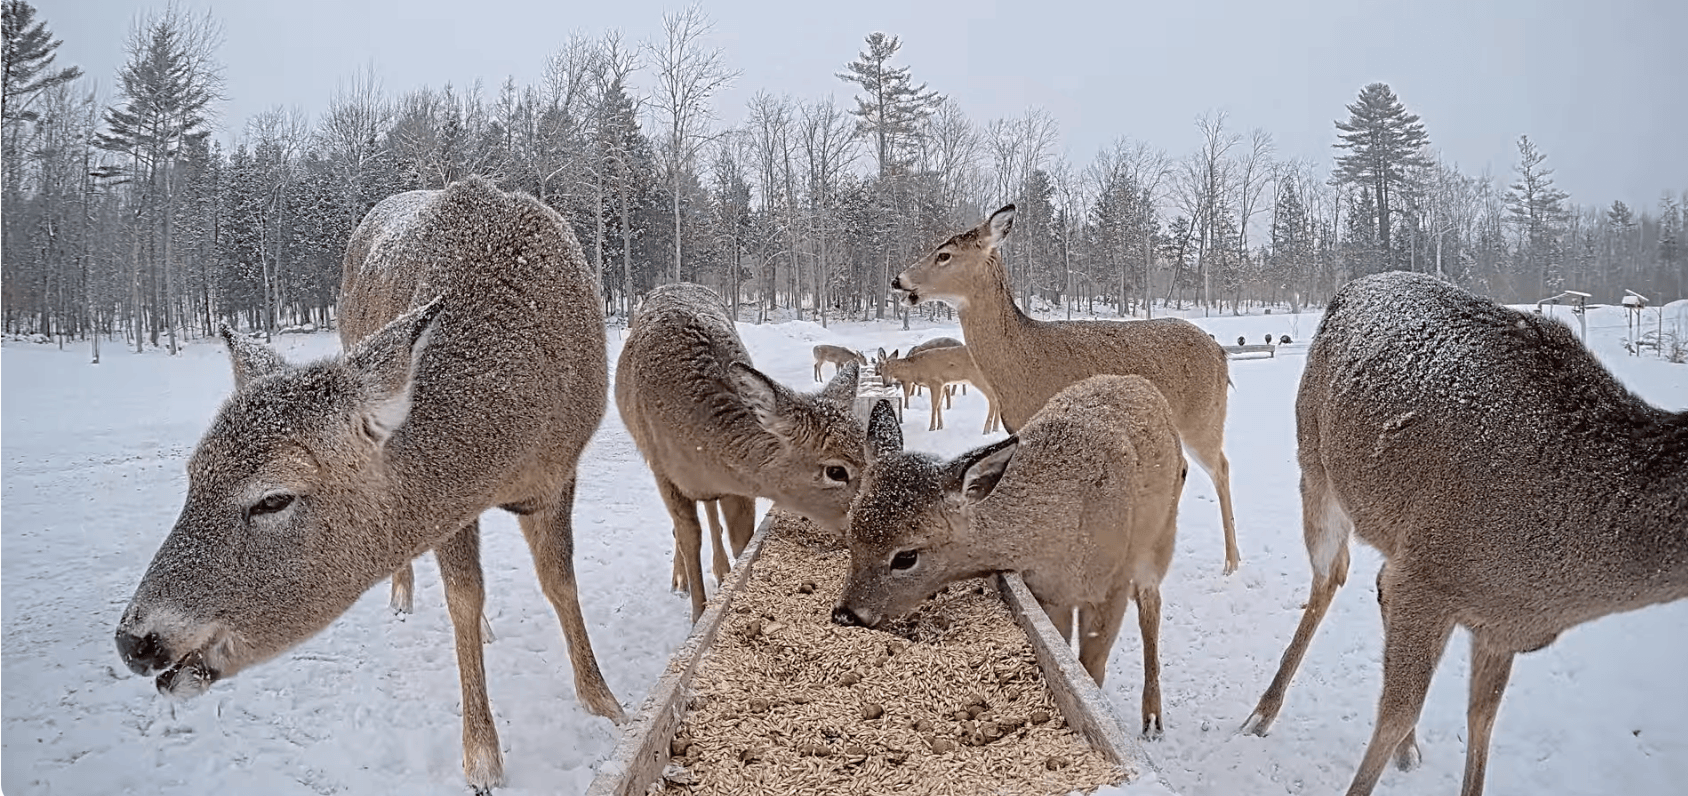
(642, 752)
(1082, 703)
(1252, 348)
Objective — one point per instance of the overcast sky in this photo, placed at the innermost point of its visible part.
(1601, 87)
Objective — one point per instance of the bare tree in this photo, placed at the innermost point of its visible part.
(829, 149)
(688, 75)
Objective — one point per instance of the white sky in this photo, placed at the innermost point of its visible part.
(1598, 86)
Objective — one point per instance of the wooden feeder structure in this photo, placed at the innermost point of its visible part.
(1578, 302)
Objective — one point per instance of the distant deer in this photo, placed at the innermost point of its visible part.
(910, 390)
(838, 356)
(1026, 361)
(712, 427)
(476, 380)
(1512, 484)
(933, 369)
(1082, 501)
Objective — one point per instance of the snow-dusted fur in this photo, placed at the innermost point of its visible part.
(1514, 487)
(1083, 502)
(475, 376)
(839, 356)
(1025, 361)
(712, 427)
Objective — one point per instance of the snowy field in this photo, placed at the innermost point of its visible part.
(94, 477)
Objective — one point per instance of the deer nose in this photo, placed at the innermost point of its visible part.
(142, 654)
(846, 617)
(897, 282)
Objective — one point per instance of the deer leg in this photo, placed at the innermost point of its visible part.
(1491, 667)
(818, 370)
(550, 537)
(1098, 627)
(717, 554)
(1148, 623)
(1407, 756)
(739, 511)
(1413, 637)
(1325, 529)
(949, 396)
(688, 539)
(404, 589)
(465, 596)
(1206, 446)
(1061, 616)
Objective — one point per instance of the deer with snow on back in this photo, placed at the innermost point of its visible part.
(477, 376)
(1555, 495)
(1082, 501)
(712, 427)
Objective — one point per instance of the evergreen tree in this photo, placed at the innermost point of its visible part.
(1384, 145)
(890, 109)
(28, 62)
(1537, 209)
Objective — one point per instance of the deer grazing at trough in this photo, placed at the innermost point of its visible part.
(1082, 501)
(1025, 361)
(712, 427)
(839, 356)
(1513, 486)
(934, 369)
(477, 376)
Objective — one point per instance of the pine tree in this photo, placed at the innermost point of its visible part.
(1384, 145)
(891, 108)
(28, 62)
(1537, 209)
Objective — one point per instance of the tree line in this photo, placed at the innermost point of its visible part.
(125, 219)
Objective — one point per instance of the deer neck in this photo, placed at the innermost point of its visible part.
(989, 318)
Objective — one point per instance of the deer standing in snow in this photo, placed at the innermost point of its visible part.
(477, 376)
(1025, 361)
(1513, 486)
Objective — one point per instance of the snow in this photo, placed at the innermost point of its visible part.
(93, 462)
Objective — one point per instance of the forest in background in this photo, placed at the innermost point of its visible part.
(123, 218)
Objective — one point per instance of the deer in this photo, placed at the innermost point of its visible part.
(839, 356)
(911, 389)
(479, 387)
(1558, 496)
(936, 367)
(713, 427)
(1082, 501)
(1025, 361)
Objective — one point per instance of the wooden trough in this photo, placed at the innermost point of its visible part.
(643, 761)
(1251, 351)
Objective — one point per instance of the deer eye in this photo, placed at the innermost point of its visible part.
(943, 257)
(905, 559)
(838, 473)
(270, 504)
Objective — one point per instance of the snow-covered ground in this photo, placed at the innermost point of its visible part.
(93, 479)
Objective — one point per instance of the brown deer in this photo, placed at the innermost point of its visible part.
(1512, 484)
(479, 388)
(712, 427)
(909, 390)
(839, 356)
(935, 369)
(1082, 501)
(1026, 361)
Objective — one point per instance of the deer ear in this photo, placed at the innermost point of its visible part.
(387, 363)
(251, 360)
(1000, 224)
(767, 399)
(884, 433)
(842, 389)
(978, 471)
